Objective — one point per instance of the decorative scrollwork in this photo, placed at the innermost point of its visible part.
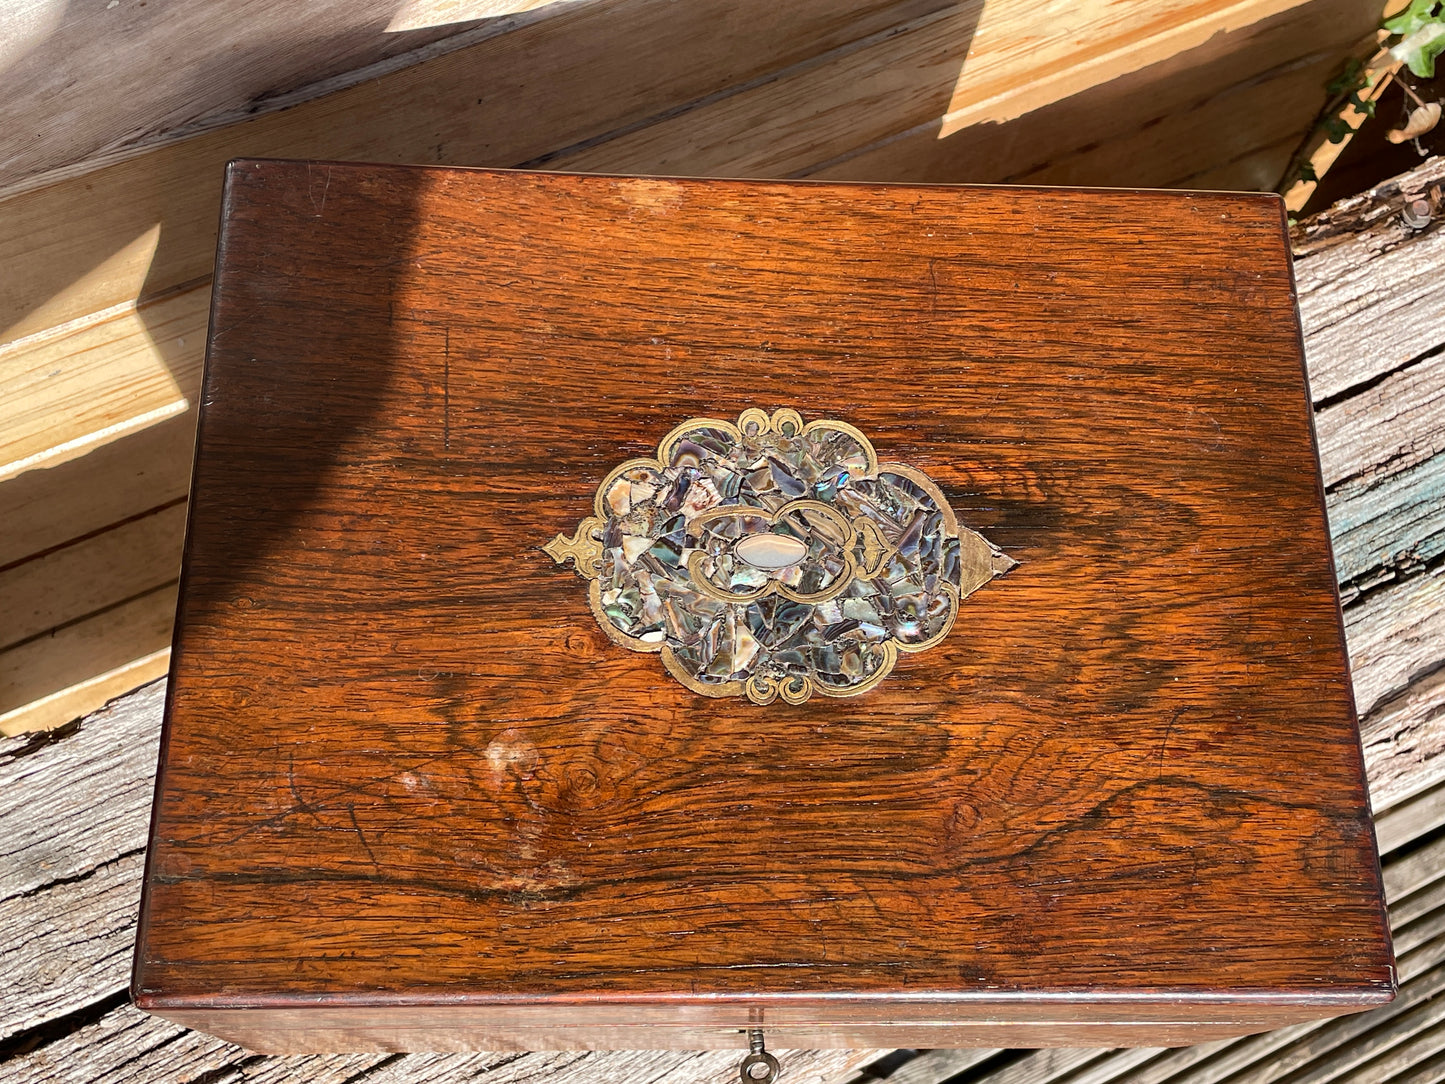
(774, 559)
(584, 547)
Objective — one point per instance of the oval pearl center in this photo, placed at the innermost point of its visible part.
(771, 551)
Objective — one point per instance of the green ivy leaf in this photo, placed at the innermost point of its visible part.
(1364, 105)
(1336, 129)
(1420, 48)
(1349, 79)
(1419, 13)
(1307, 172)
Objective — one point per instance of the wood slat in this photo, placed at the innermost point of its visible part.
(931, 1066)
(66, 945)
(1428, 1040)
(65, 394)
(1154, 125)
(77, 247)
(50, 507)
(1402, 741)
(813, 113)
(76, 813)
(909, 96)
(1409, 874)
(1368, 310)
(1429, 1071)
(1419, 901)
(1332, 1051)
(1409, 820)
(1388, 428)
(92, 574)
(1396, 637)
(1372, 344)
(61, 676)
(1390, 525)
(80, 82)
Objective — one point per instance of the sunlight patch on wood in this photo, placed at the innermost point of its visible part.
(421, 14)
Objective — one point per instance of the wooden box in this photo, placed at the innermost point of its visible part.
(415, 794)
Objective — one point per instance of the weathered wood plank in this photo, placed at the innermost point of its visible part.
(1396, 637)
(1043, 1064)
(1211, 1062)
(76, 811)
(1372, 218)
(62, 946)
(1410, 874)
(1426, 1040)
(914, 90)
(1429, 1070)
(1369, 310)
(1385, 429)
(1373, 322)
(1404, 741)
(816, 112)
(932, 1066)
(1420, 932)
(71, 806)
(1404, 911)
(1389, 527)
(1409, 820)
(1257, 168)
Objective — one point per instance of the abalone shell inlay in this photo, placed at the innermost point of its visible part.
(769, 558)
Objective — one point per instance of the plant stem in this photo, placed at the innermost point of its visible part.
(1406, 88)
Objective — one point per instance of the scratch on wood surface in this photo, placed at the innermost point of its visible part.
(351, 812)
(1164, 745)
(311, 191)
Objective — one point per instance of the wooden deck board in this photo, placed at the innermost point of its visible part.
(74, 802)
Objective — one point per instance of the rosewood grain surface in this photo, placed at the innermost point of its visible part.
(404, 771)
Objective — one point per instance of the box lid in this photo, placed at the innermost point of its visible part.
(405, 765)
